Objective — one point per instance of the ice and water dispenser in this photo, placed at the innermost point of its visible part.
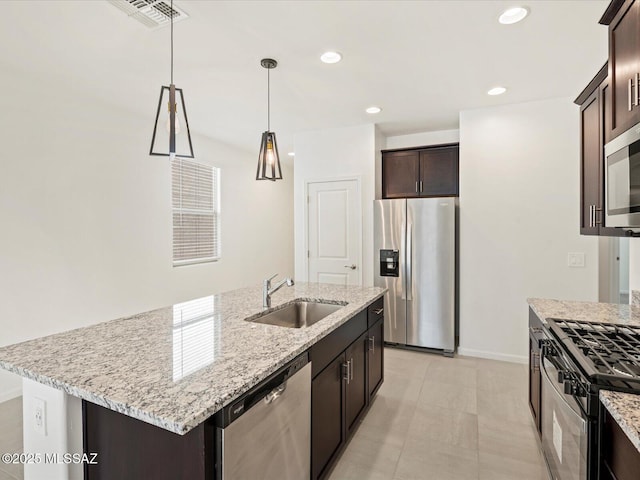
(389, 263)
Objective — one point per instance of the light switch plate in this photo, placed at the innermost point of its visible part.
(575, 259)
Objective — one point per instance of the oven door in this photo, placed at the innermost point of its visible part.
(564, 427)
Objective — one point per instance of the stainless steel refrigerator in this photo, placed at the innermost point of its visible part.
(415, 250)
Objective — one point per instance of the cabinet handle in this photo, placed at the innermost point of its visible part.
(379, 311)
(637, 89)
(372, 344)
(591, 207)
(596, 222)
(417, 191)
(346, 368)
(420, 186)
(351, 368)
(630, 88)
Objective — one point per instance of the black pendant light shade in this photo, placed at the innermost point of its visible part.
(268, 158)
(171, 117)
(171, 129)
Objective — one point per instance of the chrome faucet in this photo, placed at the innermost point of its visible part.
(267, 291)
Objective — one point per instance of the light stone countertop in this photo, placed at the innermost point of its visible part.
(176, 366)
(585, 311)
(625, 410)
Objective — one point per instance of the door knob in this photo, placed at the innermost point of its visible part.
(352, 266)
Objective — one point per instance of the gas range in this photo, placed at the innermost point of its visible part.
(607, 354)
(578, 359)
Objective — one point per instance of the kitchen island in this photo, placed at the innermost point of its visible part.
(175, 367)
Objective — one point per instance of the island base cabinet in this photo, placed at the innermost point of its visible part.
(130, 449)
(327, 404)
(375, 344)
(356, 389)
(619, 458)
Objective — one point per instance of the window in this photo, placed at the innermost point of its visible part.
(196, 212)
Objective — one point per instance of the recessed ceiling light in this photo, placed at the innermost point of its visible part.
(330, 57)
(513, 15)
(292, 154)
(496, 91)
(373, 110)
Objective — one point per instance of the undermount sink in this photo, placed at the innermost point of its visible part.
(298, 314)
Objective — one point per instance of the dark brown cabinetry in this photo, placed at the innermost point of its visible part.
(376, 359)
(619, 458)
(623, 18)
(344, 364)
(595, 109)
(535, 377)
(420, 172)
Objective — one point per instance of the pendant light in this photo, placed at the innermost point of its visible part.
(171, 97)
(268, 158)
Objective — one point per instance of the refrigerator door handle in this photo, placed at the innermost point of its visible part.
(403, 243)
(409, 260)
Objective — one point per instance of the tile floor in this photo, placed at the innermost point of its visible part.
(11, 437)
(438, 418)
(434, 418)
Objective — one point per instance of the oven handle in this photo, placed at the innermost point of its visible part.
(560, 393)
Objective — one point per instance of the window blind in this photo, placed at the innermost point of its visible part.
(195, 203)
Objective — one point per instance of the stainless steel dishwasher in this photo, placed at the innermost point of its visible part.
(266, 433)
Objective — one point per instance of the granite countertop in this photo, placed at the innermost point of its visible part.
(586, 311)
(176, 366)
(625, 410)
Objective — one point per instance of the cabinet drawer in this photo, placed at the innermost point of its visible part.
(323, 352)
(375, 311)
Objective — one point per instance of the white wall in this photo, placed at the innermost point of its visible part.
(86, 220)
(331, 154)
(422, 138)
(519, 191)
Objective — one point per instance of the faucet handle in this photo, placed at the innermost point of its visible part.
(270, 278)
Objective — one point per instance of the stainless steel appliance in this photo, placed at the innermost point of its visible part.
(415, 248)
(578, 359)
(622, 181)
(266, 433)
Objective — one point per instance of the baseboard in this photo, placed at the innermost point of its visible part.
(10, 394)
(470, 352)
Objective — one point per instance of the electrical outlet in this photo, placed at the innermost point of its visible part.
(40, 416)
(575, 259)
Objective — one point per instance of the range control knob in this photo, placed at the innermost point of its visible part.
(569, 387)
(563, 376)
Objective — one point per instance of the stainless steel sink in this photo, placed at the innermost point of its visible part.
(298, 314)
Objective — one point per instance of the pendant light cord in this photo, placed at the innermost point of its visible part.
(171, 13)
(268, 99)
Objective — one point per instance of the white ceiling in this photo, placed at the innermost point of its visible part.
(421, 61)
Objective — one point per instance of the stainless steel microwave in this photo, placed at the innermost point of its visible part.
(622, 180)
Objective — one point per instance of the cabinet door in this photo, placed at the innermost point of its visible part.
(356, 388)
(327, 407)
(624, 66)
(591, 164)
(376, 356)
(400, 174)
(439, 172)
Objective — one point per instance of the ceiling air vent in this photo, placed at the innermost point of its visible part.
(152, 13)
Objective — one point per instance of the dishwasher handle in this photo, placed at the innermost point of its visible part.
(275, 393)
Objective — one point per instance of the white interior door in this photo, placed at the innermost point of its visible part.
(334, 232)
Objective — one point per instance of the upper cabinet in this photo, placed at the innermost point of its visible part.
(420, 172)
(623, 18)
